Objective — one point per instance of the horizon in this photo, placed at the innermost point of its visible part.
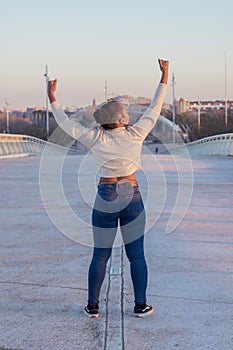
(85, 45)
(2, 110)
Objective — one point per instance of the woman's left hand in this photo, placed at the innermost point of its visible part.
(52, 87)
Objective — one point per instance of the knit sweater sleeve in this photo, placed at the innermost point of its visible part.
(74, 129)
(151, 115)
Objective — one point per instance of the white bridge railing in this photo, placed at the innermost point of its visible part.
(23, 145)
(215, 145)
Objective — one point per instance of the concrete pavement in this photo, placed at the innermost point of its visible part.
(44, 274)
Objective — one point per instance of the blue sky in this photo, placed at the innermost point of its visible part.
(87, 42)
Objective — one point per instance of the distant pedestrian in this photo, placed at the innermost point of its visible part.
(156, 150)
(117, 149)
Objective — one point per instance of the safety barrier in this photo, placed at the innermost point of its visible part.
(23, 145)
(215, 145)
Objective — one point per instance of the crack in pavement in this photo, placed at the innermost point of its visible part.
(114, 319)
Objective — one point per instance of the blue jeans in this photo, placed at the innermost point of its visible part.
(118, 203)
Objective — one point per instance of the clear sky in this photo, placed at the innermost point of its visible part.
(87, 42)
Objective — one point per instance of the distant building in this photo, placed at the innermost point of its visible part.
(85, 115)
(38, 117)
(182, 105)
(210, 105)
(130, 100)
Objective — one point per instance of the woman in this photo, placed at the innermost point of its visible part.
(116, 147)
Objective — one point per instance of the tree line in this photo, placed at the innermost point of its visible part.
(211, 123)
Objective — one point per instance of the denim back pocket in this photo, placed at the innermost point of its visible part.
(107, 192)
(107, 199)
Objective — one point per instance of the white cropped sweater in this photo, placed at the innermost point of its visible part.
(117, 151)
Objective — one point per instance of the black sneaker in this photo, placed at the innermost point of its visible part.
(142, 310)
(92, 310)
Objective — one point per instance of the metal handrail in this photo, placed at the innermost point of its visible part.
(16, 144)
(221, 144)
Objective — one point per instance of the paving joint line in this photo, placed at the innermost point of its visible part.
(106, 307)
(122, 301)
(41, 285)
(114, 326)
(191, 299)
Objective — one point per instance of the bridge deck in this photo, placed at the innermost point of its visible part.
(43, 273)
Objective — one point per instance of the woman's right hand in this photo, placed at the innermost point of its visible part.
(52, 87)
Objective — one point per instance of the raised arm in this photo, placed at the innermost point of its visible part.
(151, 115)
(72, 128)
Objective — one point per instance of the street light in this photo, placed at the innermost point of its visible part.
(173, 107)
(7, 117)
(226, 115)
(47, 101)
(199, 114)
(106, 90)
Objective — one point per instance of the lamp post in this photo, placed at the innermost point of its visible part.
(106, 90)
(47, 101)
(7, 117)
(226, 116)
(173, 107)
(199, 114)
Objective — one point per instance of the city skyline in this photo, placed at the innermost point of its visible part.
(86, 44)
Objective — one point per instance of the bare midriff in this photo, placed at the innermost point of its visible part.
(114, 180)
